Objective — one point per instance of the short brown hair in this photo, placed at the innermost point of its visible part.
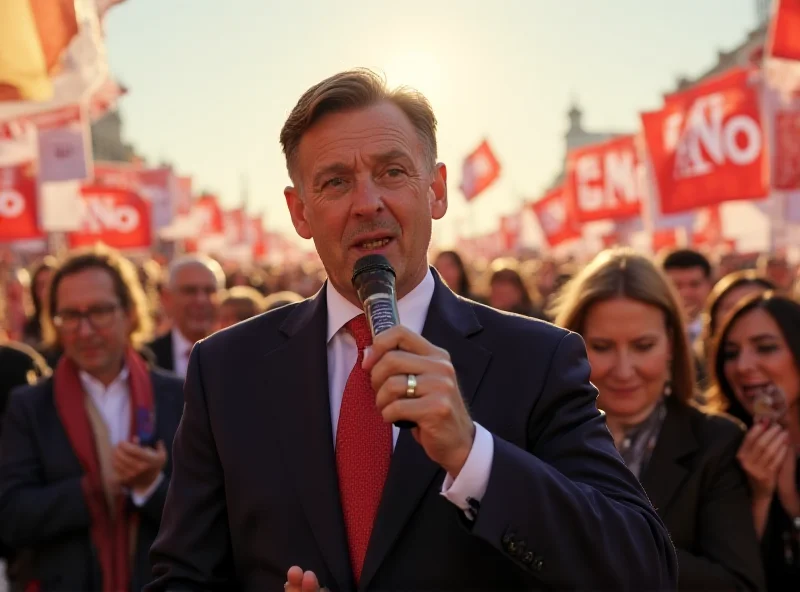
(623, 273)
(356, 89)
(126, 286)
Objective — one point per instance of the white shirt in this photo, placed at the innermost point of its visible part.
(181, 348)
(473, 479)
(114, 404)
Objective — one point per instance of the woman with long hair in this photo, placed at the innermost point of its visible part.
(756, 366)
(630, 317)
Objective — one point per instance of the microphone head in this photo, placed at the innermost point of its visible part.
(370, 264)
(373, 274)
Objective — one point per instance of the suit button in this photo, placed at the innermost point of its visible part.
(538, 563)
(528, 558)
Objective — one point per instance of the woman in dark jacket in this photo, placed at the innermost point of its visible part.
(630, 318)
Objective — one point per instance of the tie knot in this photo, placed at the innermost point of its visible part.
(359, 329)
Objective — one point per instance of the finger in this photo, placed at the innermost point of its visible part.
(398, 337)
(776, 462)
(294, 579)
(310, 583)
(396, 386)
(773, 448)
(404, 363)
(421, 411)
(751, 436)
(140, 452)
(763, 443)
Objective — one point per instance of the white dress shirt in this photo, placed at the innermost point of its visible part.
(114, 404)
(473, 479)
(181, 348)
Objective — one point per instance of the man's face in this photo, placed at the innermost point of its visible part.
(92, 326)
(693, 287)
(364, 186)
(192, 301)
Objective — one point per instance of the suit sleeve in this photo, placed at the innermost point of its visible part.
(193, 547)
(31, 510)
(726, 554)
(567, 510)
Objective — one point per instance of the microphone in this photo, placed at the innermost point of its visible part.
(374, 281)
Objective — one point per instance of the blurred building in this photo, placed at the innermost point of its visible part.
(107, 141)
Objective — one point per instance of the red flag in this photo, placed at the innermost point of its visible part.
(19, 216)
(707, 145)
(708, 230)
(209, 215)
(480, 170)
(784, 31)
(553, 213)
(786, 167)
(116, 217)
(666, 238)
(602, 180)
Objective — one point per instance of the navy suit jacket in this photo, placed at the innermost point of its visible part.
(254, 488)
(42, 508)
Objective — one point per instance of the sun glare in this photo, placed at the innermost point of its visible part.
(418, 69)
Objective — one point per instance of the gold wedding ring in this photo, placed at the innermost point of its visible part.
(411, 386)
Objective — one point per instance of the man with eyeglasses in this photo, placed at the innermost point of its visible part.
(191, 300)
(84, 469)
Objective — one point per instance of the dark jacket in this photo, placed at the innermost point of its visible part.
(702, 495)
(42, 507)
(255, 491)
(161, 349)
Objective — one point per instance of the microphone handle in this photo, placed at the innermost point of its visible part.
(381, 311)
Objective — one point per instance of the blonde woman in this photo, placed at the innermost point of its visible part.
(630, 318)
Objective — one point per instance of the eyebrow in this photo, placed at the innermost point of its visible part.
(342, 168)
(763, 337)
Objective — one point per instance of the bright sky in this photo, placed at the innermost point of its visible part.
(211, 82)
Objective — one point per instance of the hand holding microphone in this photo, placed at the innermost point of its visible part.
(433, 409)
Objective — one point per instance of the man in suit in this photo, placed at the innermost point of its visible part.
(287, 459)
(191, 300)
(84, 469)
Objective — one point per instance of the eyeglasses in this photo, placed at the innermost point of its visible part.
(100, 316)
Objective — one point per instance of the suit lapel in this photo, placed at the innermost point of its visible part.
(666, 471)
(298, 375)
(450, 323)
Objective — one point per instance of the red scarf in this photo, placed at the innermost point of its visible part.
(111, 534)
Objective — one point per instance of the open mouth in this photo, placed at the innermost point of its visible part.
(751, 391)
(373, 244)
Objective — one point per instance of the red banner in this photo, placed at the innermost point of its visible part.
(480, 170)
(665, 239)
(116, 217)
(707, 145)
(602, 181)
(119, 175)
(786, 171)
(209, 215)
(552, 211)
(258, 238)
(19, 219)
(784, 34)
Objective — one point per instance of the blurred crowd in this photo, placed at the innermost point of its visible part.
(697, 364)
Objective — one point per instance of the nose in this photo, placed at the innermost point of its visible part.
(624, 368)
(746, 361)
(367, 197)
(84, 327)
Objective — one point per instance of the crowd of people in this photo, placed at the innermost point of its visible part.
(681, 351)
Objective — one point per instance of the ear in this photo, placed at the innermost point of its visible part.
(297, 210)
(438, 192)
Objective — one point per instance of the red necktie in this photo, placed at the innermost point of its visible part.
(363, 451)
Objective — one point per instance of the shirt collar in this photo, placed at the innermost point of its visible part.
(180, 344)
(94, 387)
(413, 307)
